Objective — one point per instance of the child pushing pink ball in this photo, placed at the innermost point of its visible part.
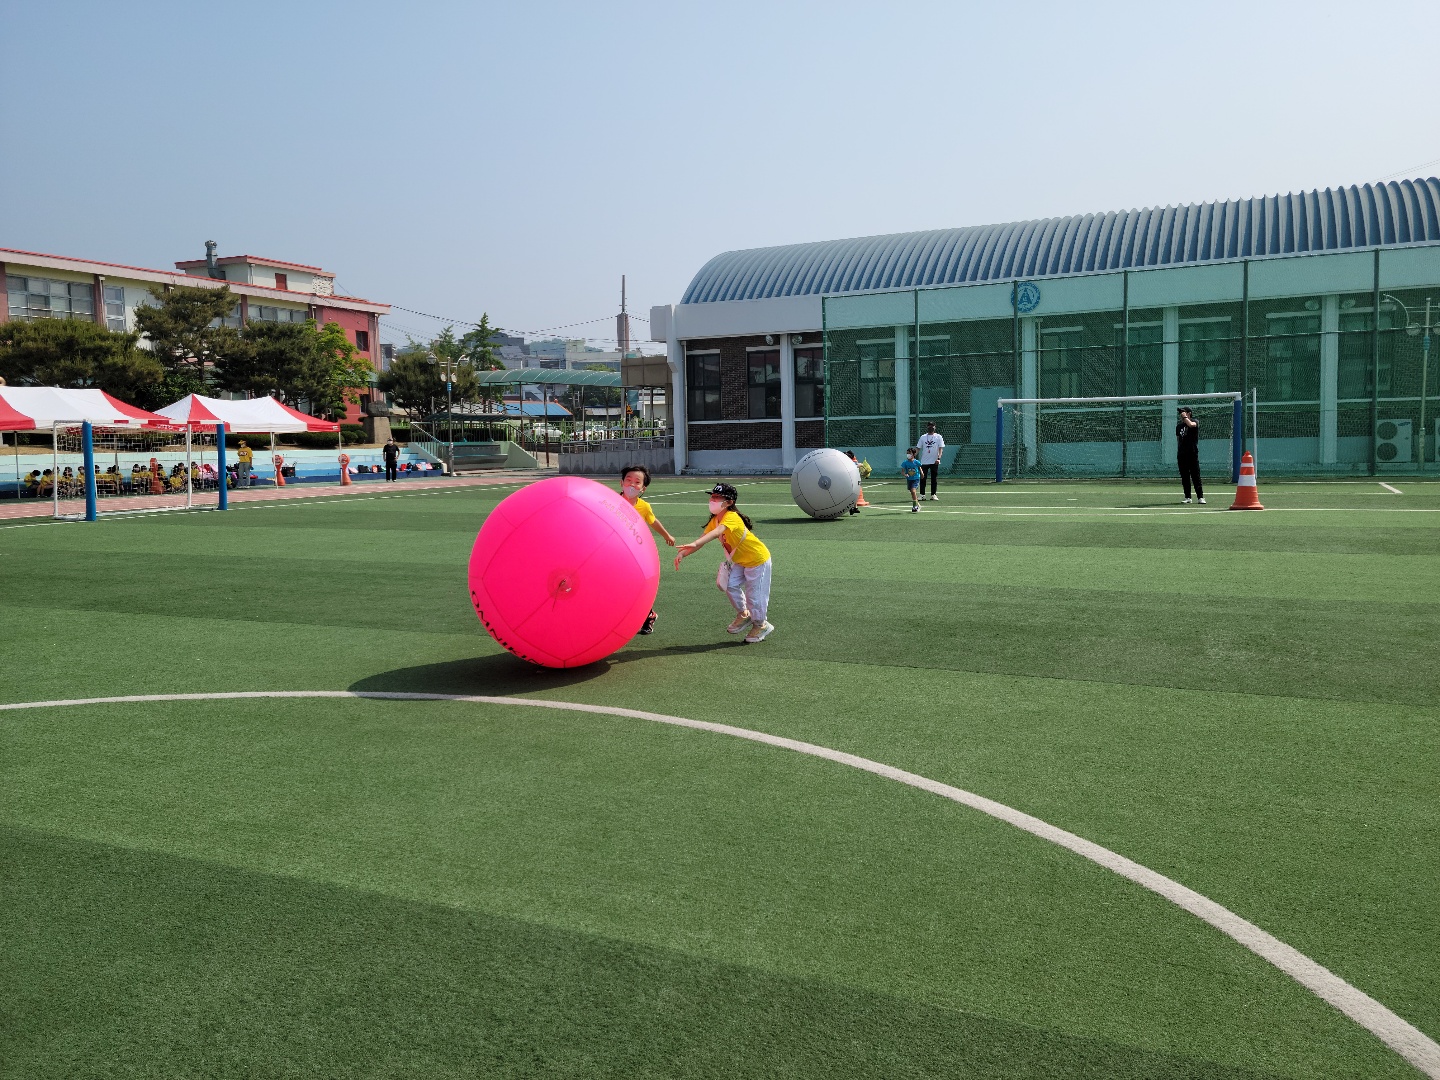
(564, 572)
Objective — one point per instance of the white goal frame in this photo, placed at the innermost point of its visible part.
(1028, 437)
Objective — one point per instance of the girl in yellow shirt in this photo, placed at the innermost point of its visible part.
(634, 479)
(745, 572)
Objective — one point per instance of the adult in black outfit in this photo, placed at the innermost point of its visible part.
(391, 452)
(1187, 453)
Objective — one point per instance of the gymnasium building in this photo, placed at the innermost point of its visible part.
(1320, 303)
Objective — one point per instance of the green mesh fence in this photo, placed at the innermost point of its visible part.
(1343, 386)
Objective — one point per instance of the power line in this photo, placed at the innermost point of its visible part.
(513, 330)
(1411, 169)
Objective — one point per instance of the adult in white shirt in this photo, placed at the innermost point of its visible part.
(932, 448)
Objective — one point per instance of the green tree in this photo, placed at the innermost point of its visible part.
(413, 381)
(304, 366)
(75, 353)
(337, 373)
(186, 330)
(417, 375)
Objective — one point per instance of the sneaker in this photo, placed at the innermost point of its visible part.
(758, 633)
(741, 622)
(934, 498)
(914, 508)
(1200, 501)
(1186, 501)
(854, 509)
(649, 627)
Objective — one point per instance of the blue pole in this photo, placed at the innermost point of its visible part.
(87, 441)
(224, 480)
(999, 444)
(1237, 439)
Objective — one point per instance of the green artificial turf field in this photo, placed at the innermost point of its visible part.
(1246, 703)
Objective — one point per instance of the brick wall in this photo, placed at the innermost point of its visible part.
(809, 434)
(755, 435)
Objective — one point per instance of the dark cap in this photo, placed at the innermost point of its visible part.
(725, 491)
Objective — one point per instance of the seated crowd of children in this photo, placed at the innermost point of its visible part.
(140, 480)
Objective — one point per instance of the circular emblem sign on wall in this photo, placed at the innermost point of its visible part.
(1027, 297)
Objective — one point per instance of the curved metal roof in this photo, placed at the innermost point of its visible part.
(1331, 220)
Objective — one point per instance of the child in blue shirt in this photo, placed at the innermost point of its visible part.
(913, 474)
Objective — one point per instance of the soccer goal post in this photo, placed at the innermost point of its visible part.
(1101, 438)
(98, 470)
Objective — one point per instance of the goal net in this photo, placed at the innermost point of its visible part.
(133, 470)
(1108, 437)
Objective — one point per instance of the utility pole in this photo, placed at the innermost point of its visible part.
(622, 337)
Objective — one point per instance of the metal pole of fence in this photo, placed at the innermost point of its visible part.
(189, 471)
(1375, 365)
(220, 467)
(1237, 438)
(1424, 381)
(55, 466)
(1244, 336)
(87, 445)
(1125, 372)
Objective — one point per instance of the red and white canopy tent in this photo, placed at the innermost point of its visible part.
(263, 414)
(255, 415)
(41, 408)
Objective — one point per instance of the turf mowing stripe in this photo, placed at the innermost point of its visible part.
(1402, 1037)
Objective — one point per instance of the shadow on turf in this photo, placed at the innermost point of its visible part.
(498, 675)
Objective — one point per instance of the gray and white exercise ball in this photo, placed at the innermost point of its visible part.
(825, 484)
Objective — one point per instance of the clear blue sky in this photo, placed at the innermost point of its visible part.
(517, 158)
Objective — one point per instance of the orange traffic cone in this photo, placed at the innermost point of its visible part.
(861, 500)
(279, 460)
(345, 470)
(1247, 495)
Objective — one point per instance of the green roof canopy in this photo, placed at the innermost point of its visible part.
(551, 376)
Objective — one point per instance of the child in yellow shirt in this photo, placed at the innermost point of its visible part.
(745, 572)
(634, 479)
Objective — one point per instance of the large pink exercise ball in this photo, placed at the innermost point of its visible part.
(564, 572)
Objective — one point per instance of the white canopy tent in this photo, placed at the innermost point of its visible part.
(256, 414)
(40, 408)
(60, 410)
(263, 414)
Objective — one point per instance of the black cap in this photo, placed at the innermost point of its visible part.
(725, 491)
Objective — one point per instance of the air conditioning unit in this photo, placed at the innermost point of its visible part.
(1394, 442)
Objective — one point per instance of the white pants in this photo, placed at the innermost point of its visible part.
(748, 587)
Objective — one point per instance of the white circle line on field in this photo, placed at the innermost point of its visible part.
(1401, 1036)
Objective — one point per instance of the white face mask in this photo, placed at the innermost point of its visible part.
(716, 506)
(631, 491)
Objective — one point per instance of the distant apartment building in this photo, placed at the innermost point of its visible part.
(269, 290)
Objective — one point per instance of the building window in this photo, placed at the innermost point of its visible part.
(362, 340)
(1355, 357)
(1205, 356)
(810, 382)
(877, 377)
(1145, 360)
(282, 281)
(1292, 357)
(115, 308)
(762, 381)
(268, 313)
(42, 298)
(1061, 360)
(703, 383)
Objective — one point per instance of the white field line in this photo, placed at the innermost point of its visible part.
(1402, 1037)
(1387, 487)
